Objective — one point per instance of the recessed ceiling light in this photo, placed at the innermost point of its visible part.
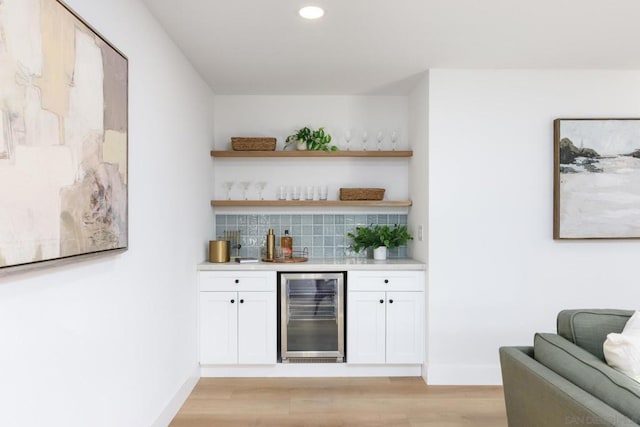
(311, 12)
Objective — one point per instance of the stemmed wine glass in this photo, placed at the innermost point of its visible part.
(347, 138)
(245, 187)
(394, 140)
(380, 138)
(260, 187)
(228, 185)
(365, 136)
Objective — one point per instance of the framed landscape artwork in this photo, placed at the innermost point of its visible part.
(597, 179)
(63, 137)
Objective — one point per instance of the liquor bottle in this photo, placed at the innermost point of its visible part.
(286, 245)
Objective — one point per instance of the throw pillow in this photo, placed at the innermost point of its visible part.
(622, 351)
(633, 325)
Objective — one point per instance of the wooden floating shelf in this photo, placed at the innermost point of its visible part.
(307, 203)
(317, 154)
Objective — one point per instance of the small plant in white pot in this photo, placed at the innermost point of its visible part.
(379, 238)
(309, 139)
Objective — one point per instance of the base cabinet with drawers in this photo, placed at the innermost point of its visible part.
(385, 317)
(385, 321)
(237, 317)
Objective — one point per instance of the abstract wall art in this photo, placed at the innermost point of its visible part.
(597, 179)
(63, 137)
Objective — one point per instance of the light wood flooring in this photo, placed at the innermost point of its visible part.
(345, 402)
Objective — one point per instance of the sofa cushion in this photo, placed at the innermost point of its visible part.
(589, 373)
(588, 328)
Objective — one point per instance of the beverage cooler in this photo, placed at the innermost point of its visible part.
(311, 317)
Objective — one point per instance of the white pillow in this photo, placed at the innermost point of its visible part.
(622, 351)
(633, 325)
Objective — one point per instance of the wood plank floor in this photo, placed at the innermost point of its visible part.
(336, 402)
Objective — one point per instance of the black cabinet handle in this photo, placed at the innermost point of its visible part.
(390, 301)
(237, 281)
(232, 301)
(381, 301)
(386, 280)
(241, 301)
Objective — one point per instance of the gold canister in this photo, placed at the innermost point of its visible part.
(219, 250)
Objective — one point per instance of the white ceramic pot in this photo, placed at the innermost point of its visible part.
(380, 253)
(301, 146)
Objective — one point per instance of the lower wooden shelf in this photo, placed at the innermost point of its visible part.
(316, 203)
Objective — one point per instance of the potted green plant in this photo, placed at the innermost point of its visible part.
(309, 139)
(379, 238)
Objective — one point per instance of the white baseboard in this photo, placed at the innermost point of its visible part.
(311, 370)
(463, 375)
(176, 402)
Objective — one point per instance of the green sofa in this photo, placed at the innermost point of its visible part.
(563, 380)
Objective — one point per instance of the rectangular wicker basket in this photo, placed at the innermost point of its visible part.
(253, 144)
(361, 193)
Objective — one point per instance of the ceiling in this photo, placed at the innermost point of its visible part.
(382, 46)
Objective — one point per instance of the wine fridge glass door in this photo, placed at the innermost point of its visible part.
(312, 316)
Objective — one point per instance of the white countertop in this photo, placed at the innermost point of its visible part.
(319, 264)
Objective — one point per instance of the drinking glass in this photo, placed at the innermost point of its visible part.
(282, 192)
(309, 192)
(394, 140)
(365, 136)
(323, 192)
(260, 187)
(245, 188)
(228, 185)
(347, 138)
(295, 193)
(380, 138)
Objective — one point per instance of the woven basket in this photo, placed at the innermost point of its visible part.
(361, 193)
(253, 144)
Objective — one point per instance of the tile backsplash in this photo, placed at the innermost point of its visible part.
(325, 236)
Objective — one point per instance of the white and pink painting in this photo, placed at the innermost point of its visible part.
(63, 136)
(597, 179)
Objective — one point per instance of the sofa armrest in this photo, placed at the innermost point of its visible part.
(536, 396)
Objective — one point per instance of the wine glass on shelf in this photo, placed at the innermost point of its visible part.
(260, 187)
(347, 138)
(245, 188)
(380, 138)
(365, 136)
(228, 185)
(394, 140)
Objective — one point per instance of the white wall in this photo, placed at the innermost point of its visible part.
(418, 221)
(495, 274)
(418, 168)
(110, 342)
(279, 116)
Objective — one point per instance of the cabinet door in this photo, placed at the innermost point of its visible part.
(218, 327)
(257, 327)
(405, 327)
(366, 327)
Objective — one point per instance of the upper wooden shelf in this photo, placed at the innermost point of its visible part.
(319, 203)
(340, 153)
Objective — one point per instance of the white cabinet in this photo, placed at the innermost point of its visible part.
(385, 317)
(237, 317)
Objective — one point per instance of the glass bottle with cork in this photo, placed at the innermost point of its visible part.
(286, 245)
